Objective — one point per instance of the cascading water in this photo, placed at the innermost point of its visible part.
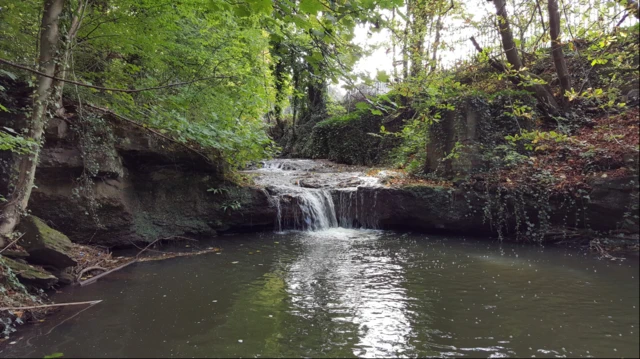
(311, 209)
(309, 196)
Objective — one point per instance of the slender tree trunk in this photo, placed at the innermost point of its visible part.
(631, 6)
(405, 57)
(62, 66)
(25, 165)
(394, 40)
(278, 71)
(436, 44)
(418, 33)
(542, 92)
(556, 49)
(508, 45)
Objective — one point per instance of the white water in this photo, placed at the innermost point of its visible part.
(314, 209)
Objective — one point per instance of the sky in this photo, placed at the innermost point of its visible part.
(382, 58)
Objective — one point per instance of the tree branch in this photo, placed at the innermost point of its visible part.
(6, 62)
(493, 62)
(122, 118)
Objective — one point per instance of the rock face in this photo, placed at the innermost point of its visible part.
(45, 245)
(612, 207)
(30, 275)
(136, 187)
(452, 142)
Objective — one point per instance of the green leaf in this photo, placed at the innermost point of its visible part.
(362, 106)
(311, 6)
(301, 21)
(376, 112)
(261, 6)
(382, 76)
(10, 75)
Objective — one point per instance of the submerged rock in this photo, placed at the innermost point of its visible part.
(44, 244)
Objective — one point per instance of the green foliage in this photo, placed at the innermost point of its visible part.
(454, 154)
(342, 119)
(15, 143)
(138, 44)
(230, 206)
(411, 153)
(532, 138)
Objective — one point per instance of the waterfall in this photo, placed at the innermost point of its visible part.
(356, 209)
(304, 209)
(313, 209)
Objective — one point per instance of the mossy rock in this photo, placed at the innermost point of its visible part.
(44, 244)
(30, 275)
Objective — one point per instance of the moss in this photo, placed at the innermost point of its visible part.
(349, 139)
(39, 235)
(30, 274)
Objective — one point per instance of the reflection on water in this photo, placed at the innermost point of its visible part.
(352, 293)
(336, 271)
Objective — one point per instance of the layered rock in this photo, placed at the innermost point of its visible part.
(45, 245)
(30, 275)
(138, 187)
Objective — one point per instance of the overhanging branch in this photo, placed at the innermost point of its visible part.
(6, 62)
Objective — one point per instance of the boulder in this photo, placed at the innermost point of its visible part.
(30, 275)
(44, 244)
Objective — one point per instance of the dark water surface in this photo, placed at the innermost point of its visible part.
(350, 293)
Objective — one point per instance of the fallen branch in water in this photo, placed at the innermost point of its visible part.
(92, 302)
(604, 254)
(88, 269)
(94, 279)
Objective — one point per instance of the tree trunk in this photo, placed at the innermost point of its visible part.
(436, 44)
(63, 65)
(418, 32)
(405, 41)
(631, 6)
(278, 71)
(556, 49)
(542, 92)
(508, 45)
(25, 165)
(394, 40)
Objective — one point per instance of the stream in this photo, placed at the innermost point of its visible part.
(320, 286)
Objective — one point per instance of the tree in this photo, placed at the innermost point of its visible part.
(508, 44)
(542, 92)
(25, 164)
(62, 66)
(436, 42)
(556, 49)
(123, 47)
(417, 12)
(631, 6)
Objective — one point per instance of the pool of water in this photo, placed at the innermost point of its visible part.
(352, 293)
